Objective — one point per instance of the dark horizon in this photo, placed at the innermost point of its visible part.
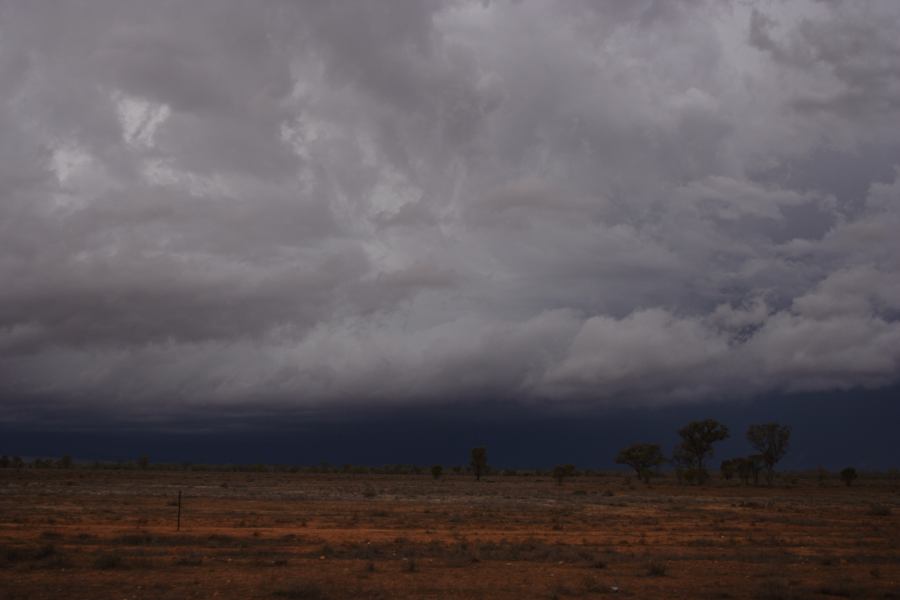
(835, 430)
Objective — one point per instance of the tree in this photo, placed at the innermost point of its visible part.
(560, 472)
(747, 467)
(143, 462)
(848, 475)
(682, 463)
(437, 471)
(643, 458)
(729, 468)
(771, 441)
(479, 462)
(697, 439)
(65, 462)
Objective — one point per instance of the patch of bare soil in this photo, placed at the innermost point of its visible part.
(112, 534)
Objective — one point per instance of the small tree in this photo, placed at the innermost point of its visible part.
(848, 475)
(697, 439)
(437, 471)
(65, 462)
(729, 468)
(771, 441)
(479, 462)
(682, 463)
(643, 458)
(749, 466)
(560, 472)
(143, 462)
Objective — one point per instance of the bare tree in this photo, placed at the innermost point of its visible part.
(771, 441)
(643, 458)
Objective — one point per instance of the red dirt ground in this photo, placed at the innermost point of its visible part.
(92, 534)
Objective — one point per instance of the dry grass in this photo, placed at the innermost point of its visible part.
(369, 536)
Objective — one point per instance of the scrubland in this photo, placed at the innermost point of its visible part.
(85, 533)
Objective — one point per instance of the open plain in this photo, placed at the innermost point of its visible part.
(89, 534)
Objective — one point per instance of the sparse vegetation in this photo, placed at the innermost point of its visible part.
(656, 568)
(560, 472)
(301, 591)
(478, 462)
(645, 459)
(109, 560)
(848, 476)
(771, 442)
(517, 532)
(745, 467)
(773, 589)
(697, 439)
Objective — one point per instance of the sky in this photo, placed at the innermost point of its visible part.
(219, 212)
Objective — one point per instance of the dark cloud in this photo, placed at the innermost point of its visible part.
(314, 204)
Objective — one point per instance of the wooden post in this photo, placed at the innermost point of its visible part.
(178, 523)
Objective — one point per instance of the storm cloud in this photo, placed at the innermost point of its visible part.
(222, 203)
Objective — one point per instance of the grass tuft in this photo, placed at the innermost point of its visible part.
(656, 568)
(109, 560)
(302, 591)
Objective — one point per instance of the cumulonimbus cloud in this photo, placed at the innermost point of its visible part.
(324, 203)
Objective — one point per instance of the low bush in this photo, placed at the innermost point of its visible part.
(109, 560)
(302, 591)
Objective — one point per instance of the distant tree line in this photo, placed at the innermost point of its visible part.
(691, 455)
(690, 459)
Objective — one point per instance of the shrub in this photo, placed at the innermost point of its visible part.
(773, 590)
(109, 561)
(45, 551)
(842, 588)
(879, 510)
(302, 591)
(479, 462)
(560, 472)
(643, 458)
(848, 475)
(656, 568)
(191, 560)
